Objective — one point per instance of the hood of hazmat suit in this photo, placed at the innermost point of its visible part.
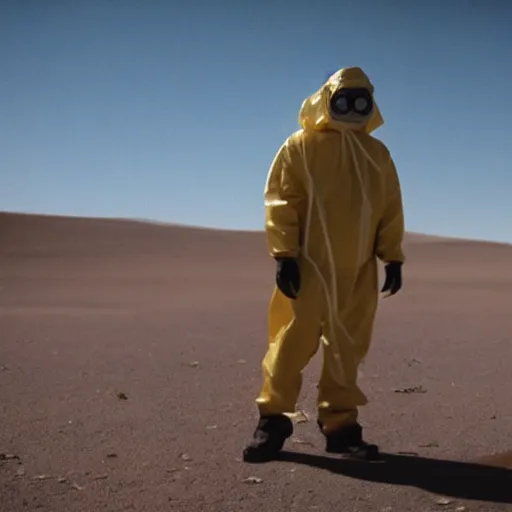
(314, 113)
(333, 202)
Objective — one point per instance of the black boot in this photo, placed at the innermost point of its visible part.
(268, 438)
(349, 441)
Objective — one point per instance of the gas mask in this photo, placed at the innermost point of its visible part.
(351, 105)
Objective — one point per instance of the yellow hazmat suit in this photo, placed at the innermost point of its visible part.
(333, 201)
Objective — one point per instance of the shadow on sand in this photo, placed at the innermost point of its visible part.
(460, 480)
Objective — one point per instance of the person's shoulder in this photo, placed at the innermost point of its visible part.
(379, 145)
(296, 138)
(303, 138)
(381, 152)
(295, 143)
(290, 148)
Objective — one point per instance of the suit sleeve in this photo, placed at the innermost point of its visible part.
(285, 203)
(390, 233)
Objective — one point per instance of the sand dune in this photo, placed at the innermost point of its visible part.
(174, 317)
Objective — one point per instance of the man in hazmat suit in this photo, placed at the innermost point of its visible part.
(333, 208)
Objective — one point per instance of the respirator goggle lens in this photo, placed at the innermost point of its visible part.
(356, 100)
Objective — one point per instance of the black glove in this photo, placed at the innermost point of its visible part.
(393, 281)
(288, 277)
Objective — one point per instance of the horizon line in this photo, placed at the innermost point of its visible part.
(169, 223)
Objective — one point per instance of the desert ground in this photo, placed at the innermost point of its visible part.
(130, 358)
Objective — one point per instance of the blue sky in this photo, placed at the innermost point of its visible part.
(173, 111)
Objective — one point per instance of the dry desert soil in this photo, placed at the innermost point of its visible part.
(130, 358)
